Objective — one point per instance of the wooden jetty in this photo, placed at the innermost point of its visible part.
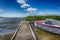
(24, 32)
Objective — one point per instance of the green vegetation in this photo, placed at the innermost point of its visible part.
(44, 35)
(33, 18)
(6, 36)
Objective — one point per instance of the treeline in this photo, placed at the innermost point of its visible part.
(33, 18)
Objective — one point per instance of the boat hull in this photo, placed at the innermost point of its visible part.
(47, 28)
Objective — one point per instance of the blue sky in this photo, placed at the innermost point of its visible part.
(22, 8)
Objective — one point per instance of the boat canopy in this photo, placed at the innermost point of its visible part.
(52, 22)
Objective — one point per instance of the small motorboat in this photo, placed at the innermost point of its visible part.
(49, 25)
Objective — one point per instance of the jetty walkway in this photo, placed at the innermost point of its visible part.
(24, 32)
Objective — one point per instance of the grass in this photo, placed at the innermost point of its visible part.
(6, 36)
(44, 35)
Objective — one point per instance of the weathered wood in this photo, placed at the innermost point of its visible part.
(24, 33)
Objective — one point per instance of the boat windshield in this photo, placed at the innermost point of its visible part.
(48, 22)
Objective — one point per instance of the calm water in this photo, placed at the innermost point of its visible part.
(8, 25)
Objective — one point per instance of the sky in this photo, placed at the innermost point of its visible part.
(23, 8)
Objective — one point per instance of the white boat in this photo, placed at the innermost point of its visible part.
(49, 25)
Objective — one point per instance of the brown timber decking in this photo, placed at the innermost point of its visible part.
(24, 32)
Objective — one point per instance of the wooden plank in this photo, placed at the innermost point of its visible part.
(24, 32)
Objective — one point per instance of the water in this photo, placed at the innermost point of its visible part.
(8, 25)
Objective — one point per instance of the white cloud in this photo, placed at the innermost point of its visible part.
(13, 15)
(27, 7)
(31, 9)
(41, 13)
(23, 3)
(1, 10)
(47, 13)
